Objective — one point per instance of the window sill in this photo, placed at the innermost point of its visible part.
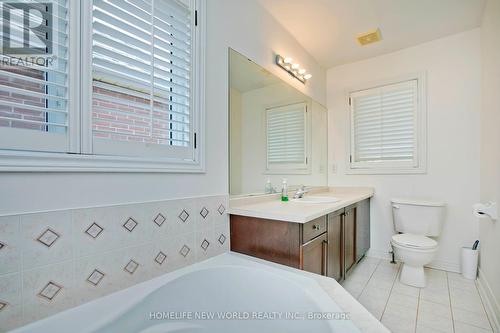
(14, 161)
(385, 171)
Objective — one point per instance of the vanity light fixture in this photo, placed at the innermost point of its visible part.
(292, 68)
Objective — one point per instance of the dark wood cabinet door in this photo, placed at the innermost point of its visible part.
(314, 255)
(335, 246)
(349, 238)
(362, 228)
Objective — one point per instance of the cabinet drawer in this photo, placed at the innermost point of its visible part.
(313, 229)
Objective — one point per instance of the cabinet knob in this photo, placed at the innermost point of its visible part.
(316, 227)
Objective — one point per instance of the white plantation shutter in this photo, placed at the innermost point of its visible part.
(142, 78)
(384, 124)
(34, 112)
(287, 137)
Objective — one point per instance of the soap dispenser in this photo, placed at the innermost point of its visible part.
(284, 190)
(269, 187)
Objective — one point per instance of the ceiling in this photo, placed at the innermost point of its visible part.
(327, 29)
(245, 75)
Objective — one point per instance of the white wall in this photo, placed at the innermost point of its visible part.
(242, 25)
(489, 232)
(253, 139)
(453, 93)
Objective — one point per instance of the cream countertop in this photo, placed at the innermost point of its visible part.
(271, 207)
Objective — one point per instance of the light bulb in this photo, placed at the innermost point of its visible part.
(295, 66)
(288, 60)
(307, 76)
(302, 71)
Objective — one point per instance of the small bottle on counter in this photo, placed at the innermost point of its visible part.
(269, 187)
(284, 190)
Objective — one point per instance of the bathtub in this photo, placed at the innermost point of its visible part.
(227, 293)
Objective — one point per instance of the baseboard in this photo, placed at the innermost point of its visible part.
(491, 304)
(436, 264)
(445, 266)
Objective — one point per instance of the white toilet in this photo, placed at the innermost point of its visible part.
(416, 222)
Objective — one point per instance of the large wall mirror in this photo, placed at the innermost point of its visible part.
(276, 131)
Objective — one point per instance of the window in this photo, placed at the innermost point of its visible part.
(121, 88)
(388, 128)
(287, 144)
(33, 88)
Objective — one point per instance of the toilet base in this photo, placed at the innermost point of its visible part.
(412, 276)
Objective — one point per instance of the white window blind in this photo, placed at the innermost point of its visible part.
(384, 126)
(142, 78)
(287, 137)
(34, 87)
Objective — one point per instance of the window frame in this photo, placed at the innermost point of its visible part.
(80, 157)
(419, 164)
(291, 168)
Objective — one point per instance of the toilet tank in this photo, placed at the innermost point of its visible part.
(418, 217)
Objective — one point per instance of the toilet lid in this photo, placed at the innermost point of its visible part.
(416, 241)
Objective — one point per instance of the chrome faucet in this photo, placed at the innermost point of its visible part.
(300, 192)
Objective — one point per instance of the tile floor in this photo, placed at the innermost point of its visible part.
(449, 303)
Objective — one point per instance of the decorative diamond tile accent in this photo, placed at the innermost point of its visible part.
(50, 291)
(131, 267)
(184, 215)
(95, 277)
(159, 219)
(221, 209)
(205, 244)
(184, 251)
(130, 224)
(3, 305)
(2, 245)
(222, 239)
(204, 212)
(160, 258)
(48, 237)
(94, 230)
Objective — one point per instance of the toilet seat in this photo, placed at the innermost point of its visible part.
(414, 241)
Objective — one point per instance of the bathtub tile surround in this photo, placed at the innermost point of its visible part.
(52, 261)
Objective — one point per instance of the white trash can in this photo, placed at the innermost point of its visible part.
(469, 263)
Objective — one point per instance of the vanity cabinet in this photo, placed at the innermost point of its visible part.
(330, 245)
(349, 238)
(303, 246)
(335, 267)
(314, 255)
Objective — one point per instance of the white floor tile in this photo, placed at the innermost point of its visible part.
(401, 300)
(440, 296)
(353, 287)
(404, 289)
(472, 318)
(426, 329)
(380, 283)
(466, 328)
(448, 303)
(374, 300)
(398, 324)
(434, 315)
(426, 307)
(466, 300)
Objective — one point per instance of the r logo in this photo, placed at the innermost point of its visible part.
(27, 28)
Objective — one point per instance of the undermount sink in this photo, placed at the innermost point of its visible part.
(316, 199)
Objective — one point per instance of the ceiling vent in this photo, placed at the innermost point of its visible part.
(369, 37)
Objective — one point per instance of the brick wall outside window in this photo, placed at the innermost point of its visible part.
(10, 116)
